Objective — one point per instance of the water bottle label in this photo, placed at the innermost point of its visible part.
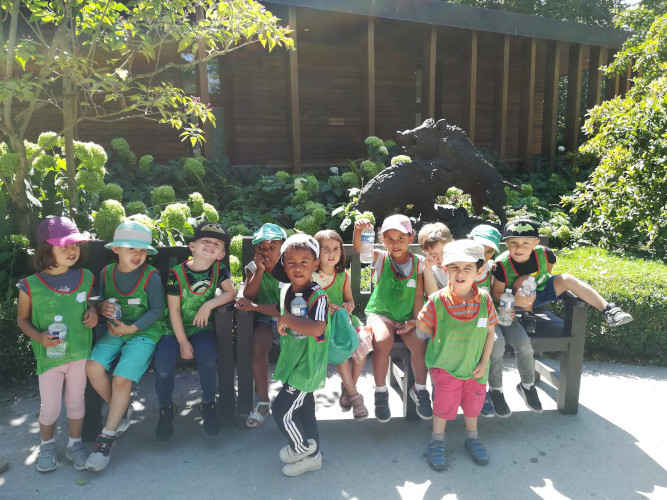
(367, 238)
(300, 311)
(504, 304)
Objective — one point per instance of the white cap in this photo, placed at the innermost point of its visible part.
(462, 251)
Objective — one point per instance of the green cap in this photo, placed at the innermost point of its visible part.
(268, 232)
(131, 234)
(486, 235)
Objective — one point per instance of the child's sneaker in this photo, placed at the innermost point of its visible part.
(423, 400)
(477, 450)
(210, 415)
(125, 422)
(500, 407)
(615, 316)
(528, 322)
(382, 412)
(435, 454)
(165, 425)
(530, 397)
(487, 409)
(304, 465)
(48, 457)
(99, 458)
(289, 456)
(77, 454)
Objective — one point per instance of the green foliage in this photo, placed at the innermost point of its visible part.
(234, 265)
(194, 170)
(120, 145)
(239, 230)
(197, 202)
(111, 192)
(91, 181)
(210, 213)
(350, 179)
(146, 164)
(175, 215)
(162, 195)
(401, 160)
(107, 219)
(637, 285)
(136, 207)
(236, 247)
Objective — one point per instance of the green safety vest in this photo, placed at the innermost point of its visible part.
(268, 293)
(335, 293)
(134, 304)
(192, 301)
(45, 303)
(457, 344)
(541, 275)
(485, 283)
(303, 362)
(392, 297)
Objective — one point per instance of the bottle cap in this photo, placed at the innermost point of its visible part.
(298, 294)
(112, 300)
(508, 290)
(57, 318)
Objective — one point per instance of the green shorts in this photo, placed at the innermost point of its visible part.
(135, 355)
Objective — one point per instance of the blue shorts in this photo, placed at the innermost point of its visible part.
(135, 355)
(547, 295)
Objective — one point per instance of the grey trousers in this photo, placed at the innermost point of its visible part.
(523, 350)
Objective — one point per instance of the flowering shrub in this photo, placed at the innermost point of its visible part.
(136, 207)
(401, 160)
(107, 219)
(197, 201)
(175, 215)
(146, 164)
(194, 170)
(111, 192)
(210, 213)
(163, 195)
(121, 147)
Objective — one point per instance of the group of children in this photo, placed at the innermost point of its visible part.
(441, 305)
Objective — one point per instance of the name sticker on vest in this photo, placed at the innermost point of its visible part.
(281, 284)
(481, 322)
(81, 297)
(412, 283)
(134, 302)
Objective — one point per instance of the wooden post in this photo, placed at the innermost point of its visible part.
(572, 121)
(470, 87)
(370, 78)
(295, 117)
(597, 58)
(500, 104)
(202, 83)
(228, 105)
(527, 103)
(428, 80)
(550, 115)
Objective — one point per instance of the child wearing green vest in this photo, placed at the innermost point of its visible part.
(432, 239)
(131, 335)
(460, 319)
(334, 279)
(397, 298)
(525, 257)
(262, 288)
(58, 289)
(191, 297)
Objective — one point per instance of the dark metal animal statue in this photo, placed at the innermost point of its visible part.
(443, 157)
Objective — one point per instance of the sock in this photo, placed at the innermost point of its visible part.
(435, 436)
(494, 389)
(52, 440)
(381, 388)
(472, 434)
(72, 440)
(108, 432)
(527, 386)
(419, 387)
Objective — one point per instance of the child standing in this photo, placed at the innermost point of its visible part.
(130, 337)
(191, 297)
(397, 298)
(525, 257)
(262, 288)
(432, 239)
(332, 276)
(460, 318)
(58, 289)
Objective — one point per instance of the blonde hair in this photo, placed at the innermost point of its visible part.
(432, 234)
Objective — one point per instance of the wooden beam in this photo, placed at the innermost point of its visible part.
(428, 77)
(295, 117)
(597, 59)
(500, 100)
(572, 121)
(470, 86)
(370, 72)
(628, 80)
(550, 115)
(202, 84)
(527, 100)
(228, 105)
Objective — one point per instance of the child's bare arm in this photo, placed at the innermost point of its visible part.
(305, 326)
(419, 296)
(430, 284)
(204, 313)
(244, 304)
(348, 298)
(497, 289)
(26, 326)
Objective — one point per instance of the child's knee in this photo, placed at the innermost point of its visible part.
(121, 383)
(94, 369)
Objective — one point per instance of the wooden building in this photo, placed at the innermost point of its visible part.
(374, 67)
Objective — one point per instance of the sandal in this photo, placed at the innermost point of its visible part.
(344, 399)
(257, 416)
(435, 454)
(359, 410)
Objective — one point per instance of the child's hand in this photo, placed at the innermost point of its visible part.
(520, 300)
(107, 309)
(348, 305)
(362, 224)
(90, 317)
(47, 340)
(202, 316)
(430, 262)
(406, 327)
(480, 369)
(243, 304)
(187, 351)
(333, 308)
(118, 328)
(282, 324)
(259, 261)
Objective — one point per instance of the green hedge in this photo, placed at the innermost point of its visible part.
(637, 285)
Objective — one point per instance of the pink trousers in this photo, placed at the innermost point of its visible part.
(73, 375)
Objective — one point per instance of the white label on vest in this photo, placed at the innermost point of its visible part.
(412, 283)
(134, 302)
(81, 297)
(481, 322)
(281, 284)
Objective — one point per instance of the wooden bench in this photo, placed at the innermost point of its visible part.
(166, 258)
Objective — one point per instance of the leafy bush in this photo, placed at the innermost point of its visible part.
(637, 285)
(135, 207)
(163, 195)
(111, 192)
(107, 219)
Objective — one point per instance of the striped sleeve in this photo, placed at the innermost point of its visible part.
(319, 311)
(427, 314)
(491, 309)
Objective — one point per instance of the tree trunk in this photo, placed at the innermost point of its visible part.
(17, 191)
(69, 119)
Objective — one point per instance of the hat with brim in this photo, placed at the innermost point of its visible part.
(278, 271)
(398, 222)
(462, 251)
(131, 234)
(521, 228)
(59, 232)
(487, 235)
(268, 232)
(212, 230)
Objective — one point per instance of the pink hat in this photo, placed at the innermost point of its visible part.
(59, 232)
(399, 222)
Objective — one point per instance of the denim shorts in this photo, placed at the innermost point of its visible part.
(547, 295)
(274, 327)
(135, 355)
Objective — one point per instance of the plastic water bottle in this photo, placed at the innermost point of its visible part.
(367, 241)
(528, 287)
(119, 311)
(299, 308)
(505, 309)
(57, 329)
